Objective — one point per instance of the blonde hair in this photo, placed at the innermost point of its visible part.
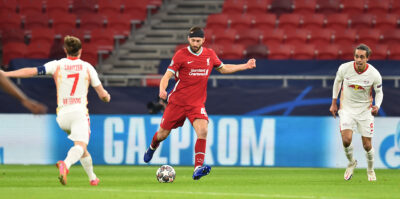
(72, 45)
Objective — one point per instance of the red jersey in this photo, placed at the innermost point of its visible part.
(191, 74)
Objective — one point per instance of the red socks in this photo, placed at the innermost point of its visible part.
(154, 143)
(200, 152)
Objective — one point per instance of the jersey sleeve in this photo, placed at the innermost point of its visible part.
(217, 63)
(176, 63)
(94, 77)
(51, 67)
(378, 89)
(338, 82)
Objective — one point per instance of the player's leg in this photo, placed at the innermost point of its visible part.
(73, 155)
(87, 164)
(347, 124)
(173, 117)
(201, 128)
(366, 128)
(370, 157)
(158, 137)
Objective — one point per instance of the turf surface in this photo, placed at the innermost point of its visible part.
(117, 182)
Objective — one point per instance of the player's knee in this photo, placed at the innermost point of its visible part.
(202, 134)
(346, 142)
(367, 147)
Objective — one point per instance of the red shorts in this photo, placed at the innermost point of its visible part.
(175, 115)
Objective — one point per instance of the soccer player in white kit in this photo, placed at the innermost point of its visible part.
(72, 77)
(356, 79)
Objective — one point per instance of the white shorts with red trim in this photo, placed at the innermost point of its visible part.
(363, 123)
(76, 124)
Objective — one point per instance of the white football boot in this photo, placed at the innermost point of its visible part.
(371, 175)
(349, 170)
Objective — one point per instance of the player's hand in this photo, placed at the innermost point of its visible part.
(251, 63)
(333, 110)
(106, 97)
(34, 106)
(163, 94)
(374, 110)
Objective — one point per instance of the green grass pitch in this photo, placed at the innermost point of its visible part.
(119, 182)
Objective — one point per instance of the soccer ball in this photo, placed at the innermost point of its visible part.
(165, 174)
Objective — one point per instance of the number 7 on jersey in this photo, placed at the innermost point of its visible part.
(76, 76)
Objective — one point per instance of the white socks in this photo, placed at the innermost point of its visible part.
(74, 154)
(349, 153)
(88, 166)
(370, 159)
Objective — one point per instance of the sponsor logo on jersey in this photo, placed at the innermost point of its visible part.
(189, 62)
(198, 72)
(357, 87)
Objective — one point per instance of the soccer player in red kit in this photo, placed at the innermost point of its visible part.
(191, 67)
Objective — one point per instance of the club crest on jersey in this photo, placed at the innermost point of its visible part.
(356, 87)
(208, 61)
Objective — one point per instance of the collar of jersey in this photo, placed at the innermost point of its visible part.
(361, 72)
(197, 54)
(72, 58)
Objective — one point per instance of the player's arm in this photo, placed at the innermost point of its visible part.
(164, 83)
(23, 72)
(10, 88)
(233, 68)
(335, 92)
(378, 95)
(102, 93)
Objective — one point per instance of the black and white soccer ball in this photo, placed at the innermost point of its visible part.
(165, 174)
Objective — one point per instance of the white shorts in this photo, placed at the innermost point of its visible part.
(363, 123)
(76, 124)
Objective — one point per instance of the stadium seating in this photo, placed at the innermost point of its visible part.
(369, 36)
(92, 21)
(394, 52)
(289, 22)
(137, 9)
(392, 36)
(84, 6)
(8, 6)
(264, 21)
(256, 7)
(281, 6)
(12, 35)
(250, 37)
(36, 21)
(217, 21)
(377, 8)
(241, 22)
(274, 37)
(119, 24)
(233, 7)
(63, 23)
(304, 6)
(362, 21)
(306, 51)
(109, 8)
(38, 50)
(321, 37)
(59, 7)
(14, 50)
(226, 37)
(235, 51)
(379, 52)
(337, 21)
(297, 37)
(327, 51)
(328, 7)
(31, 6)
(103, 38)
(9, 20)
(40, 35)
(311, 21)
(345, 38)
(280, 51)
(257, 51)
(354, 7)
(386, 22)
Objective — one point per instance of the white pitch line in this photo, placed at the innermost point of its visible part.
(171, 192)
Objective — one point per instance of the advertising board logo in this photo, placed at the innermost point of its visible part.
(389, 151)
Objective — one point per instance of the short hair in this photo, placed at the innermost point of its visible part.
(363, 47)
(72, 45)
(197, 31)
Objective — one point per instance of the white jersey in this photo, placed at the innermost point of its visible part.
(72, 77)
(356, 95)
